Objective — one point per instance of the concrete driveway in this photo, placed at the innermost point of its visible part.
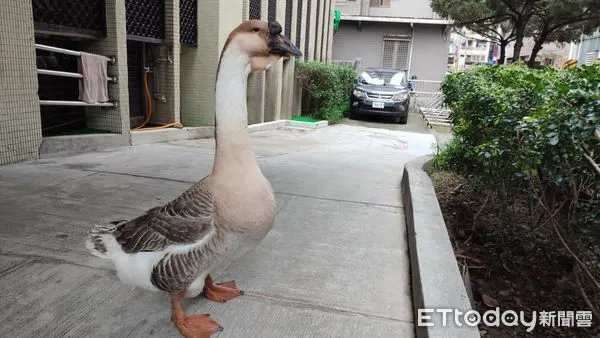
(335, 264)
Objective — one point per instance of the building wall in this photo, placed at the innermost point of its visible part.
(115, 120)
(365, 41)
(588, 50)
(397, 8)
(405, 8)
(20, 123)
(351, 42)
(168, 74)
(430, 53)
(199, 69)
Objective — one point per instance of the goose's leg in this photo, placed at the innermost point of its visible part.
(194, 326)
(220, 292)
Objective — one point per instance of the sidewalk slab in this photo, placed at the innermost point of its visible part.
(336, 263)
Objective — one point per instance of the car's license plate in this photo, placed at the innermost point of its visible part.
(379, 105)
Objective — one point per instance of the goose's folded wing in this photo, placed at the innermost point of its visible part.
(184, 220)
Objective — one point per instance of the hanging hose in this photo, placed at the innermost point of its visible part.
(149, 96)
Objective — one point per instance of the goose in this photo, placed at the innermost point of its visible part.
(173, 248)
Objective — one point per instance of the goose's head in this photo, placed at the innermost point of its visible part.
(262, 42)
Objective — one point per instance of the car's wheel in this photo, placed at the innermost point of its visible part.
(403, 119)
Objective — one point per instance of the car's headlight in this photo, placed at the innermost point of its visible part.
(359, 94)
(400, 96)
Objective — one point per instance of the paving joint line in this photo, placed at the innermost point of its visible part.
(303, 304)
(281, 193)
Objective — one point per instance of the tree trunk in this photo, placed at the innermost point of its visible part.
(518, 44)
(534, 52)
(537, 46)
(503, 44)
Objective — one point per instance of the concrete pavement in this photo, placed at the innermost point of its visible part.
(335, 264)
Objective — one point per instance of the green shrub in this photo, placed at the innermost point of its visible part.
(529, 131)
(329, 87)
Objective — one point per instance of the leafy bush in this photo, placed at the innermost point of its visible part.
(529, 131)
(329, 87)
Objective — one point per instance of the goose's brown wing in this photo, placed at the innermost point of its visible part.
(185, 220)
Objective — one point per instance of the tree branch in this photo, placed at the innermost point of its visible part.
(586, 299)
(510, 7)
(592, 162)
(500, 17)
(581, 264)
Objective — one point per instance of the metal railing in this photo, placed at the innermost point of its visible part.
(347, 63)
(111, 79)
(429, 101)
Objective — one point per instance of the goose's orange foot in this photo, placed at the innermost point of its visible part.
(194, 326)
(220, 292)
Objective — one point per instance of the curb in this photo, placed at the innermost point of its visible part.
(436, 279)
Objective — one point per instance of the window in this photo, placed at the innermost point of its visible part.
(381, 77)
(380, 3)
(591, 57)
(395, 54)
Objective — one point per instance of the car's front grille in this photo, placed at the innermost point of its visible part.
(379, 96)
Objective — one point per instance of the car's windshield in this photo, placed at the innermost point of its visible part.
(375, 77)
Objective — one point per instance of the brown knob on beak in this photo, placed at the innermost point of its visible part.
(279, 44)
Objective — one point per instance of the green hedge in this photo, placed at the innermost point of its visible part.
(329, 87)
(528, 131)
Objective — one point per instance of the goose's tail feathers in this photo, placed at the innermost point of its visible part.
(96, 240)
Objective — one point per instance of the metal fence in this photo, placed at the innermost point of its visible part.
(347, 63)
(429, 102)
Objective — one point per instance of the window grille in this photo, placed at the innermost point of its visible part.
(395, 54)
(307, 31)
(145, 20)
(299, 23)
(255, 9)
(188, 22)
(288, 18)
(79, 16)
(272, 10)
(317, 21)
(326, 24)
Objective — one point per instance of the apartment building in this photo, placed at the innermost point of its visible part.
(400, 34)
(162, 57)
(587, 50)
(469, 49)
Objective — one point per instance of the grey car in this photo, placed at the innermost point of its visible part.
(381, 92)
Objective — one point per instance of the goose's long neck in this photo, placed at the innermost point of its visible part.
(234, 152)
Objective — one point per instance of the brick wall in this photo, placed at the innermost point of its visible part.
(20, 124)
(199, 69)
